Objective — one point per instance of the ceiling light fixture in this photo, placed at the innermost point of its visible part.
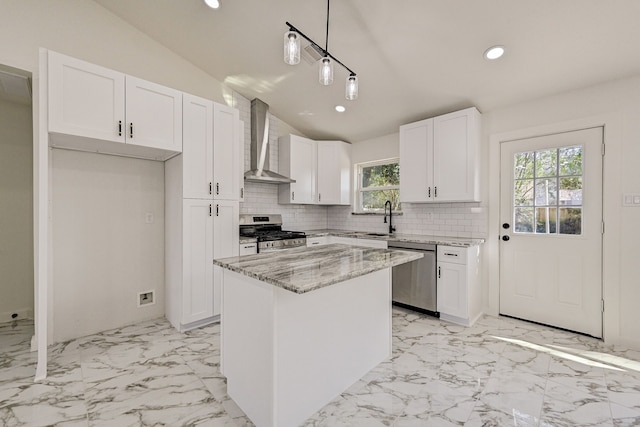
(325, 74)
(494, 52)
(213, 4)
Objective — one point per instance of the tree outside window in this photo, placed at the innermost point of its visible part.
(378, 182)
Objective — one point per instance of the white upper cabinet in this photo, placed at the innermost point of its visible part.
(85, 100)
(227, 163)
(334, 172)
(416, 168)
(297, 160)
(439, 158)
(322, 170)
(90, 107)
(154, 115)
(197, 153)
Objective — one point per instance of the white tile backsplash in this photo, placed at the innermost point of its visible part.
(442, 219)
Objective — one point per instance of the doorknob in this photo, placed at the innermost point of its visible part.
(505, 238)
(505, 225)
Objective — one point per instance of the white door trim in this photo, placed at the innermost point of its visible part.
(611, 212)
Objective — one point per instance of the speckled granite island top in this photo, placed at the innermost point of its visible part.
(304, 269)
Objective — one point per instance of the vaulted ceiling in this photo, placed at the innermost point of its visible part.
(414, 58)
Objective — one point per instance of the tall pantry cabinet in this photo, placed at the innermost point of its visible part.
(203, 187)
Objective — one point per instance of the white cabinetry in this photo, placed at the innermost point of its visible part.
(439, 158)
(297, 160)
(228, 165)
(322, 170)
(334, 173)
(200, 225)
(318, 241)
(458, 294)
(92, 107)
(248, 248)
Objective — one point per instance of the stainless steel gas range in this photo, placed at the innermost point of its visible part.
(268, 232)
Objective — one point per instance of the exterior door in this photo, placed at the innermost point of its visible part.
(551, 230)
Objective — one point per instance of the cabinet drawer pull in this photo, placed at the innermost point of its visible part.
(429, 193)
(119, 127)
(450, 254)
(210, 187)
(315, 243)
(131, 130)
(439, 273)
(217, 188)
(209, 209)
(217, 210)
(435, 191)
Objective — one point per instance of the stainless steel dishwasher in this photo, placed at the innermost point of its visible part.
(414, 283)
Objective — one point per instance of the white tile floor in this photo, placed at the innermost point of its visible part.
(501, 372)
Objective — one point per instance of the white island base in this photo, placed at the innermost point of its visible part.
(286, 355)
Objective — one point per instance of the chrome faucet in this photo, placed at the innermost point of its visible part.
(391, 227)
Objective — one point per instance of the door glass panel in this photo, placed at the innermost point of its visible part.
(570, 220)
(546, 220)
(571, 191)
(552, 202)
(546, 190)
(524, 220)
(570, 161)
(523, 192)
(546, 164)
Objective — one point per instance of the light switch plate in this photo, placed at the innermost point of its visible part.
(631, 200)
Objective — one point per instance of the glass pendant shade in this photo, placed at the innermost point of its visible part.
(351, 92)
(291, 48)
(326, 71)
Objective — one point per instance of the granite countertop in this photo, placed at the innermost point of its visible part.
(305, 269)
(414, 238)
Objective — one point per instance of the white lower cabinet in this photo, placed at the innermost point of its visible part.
(248, 248)
(318, 241)
(458, 294)
(369, 243)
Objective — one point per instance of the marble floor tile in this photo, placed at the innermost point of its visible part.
(500, 372)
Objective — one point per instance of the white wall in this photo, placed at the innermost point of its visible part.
(104, 251)
(16, 207)
(615, 104)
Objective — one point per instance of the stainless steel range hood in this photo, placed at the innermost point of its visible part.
(260, 147)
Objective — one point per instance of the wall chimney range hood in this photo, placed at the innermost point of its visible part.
(260, 147)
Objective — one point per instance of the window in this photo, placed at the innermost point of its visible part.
(378, 182)
(548, 191)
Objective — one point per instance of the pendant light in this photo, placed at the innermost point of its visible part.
(352, 87)
(325, 72)
(291, 48)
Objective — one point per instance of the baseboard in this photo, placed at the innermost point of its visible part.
(199, 323)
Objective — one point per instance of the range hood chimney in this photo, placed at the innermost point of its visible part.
(260, 147)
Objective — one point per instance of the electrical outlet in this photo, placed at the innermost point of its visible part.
(148, 218)
(146, 298)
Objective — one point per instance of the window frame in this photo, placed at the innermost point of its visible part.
(359, 189)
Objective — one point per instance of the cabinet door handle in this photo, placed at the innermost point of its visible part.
(119, 127)
(429, 193)
(435, 191)
(217, 210)
(439, 273)
(242, 193)
(217, 188)
(210, 187)
(293, 195)
(319, 197)
(131, 130)
(209, 209)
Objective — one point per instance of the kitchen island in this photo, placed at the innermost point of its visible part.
(299, 326)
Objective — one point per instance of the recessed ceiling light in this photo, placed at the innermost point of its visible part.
(213, 4)
(494, 52)
(340, 109)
